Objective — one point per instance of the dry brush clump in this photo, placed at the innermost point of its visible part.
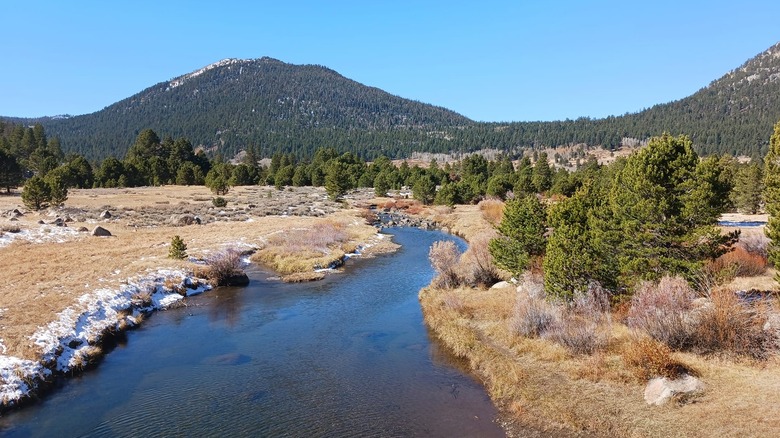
(582, 326)
(733, 325)
(221, 267)
(476, 265)
(492, 210)
(740, 262)
(320, 237)
(649, 358)
(661, 310)
(444, 257)
(722, 322)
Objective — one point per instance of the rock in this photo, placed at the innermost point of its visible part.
(59, 222)
(13, 219)
(105, 214)
(236, 280)
(101, 232)
(41, 222)
(185, 219)
(83, 229)
(661, 389)
(15, 213)
(501, 285)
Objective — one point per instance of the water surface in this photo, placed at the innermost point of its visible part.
(347, 356)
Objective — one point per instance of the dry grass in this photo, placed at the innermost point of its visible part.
(39, 279)
(661, 310)
(492, 210)
(741, 262)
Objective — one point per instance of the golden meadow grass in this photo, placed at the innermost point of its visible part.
(40, 280)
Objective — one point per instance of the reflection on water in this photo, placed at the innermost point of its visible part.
(348, 356)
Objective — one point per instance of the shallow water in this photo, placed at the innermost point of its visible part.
(347, 356)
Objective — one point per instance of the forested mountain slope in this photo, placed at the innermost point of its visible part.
(279, 107)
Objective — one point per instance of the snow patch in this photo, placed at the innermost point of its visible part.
(72, 338)
(182, 79)
(42, 234)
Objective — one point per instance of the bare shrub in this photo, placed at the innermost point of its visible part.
(476, 265)
(223, 265)
(444, 258)
(660, 310)
(754, 244)
(732, 325)
(533, 316)
(649, 358)
(578, 333)
(492, 210)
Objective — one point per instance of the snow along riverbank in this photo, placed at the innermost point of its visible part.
(73, 340)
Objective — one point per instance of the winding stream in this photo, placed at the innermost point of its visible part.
(347, 356)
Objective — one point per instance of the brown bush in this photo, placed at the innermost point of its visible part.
(660, 310)
(476, 265)
(492, 210)
(444, 258)
(729, 324)
(223, 265)
(741, 263)
(649, 358)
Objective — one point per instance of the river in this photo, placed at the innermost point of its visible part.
(347, 356)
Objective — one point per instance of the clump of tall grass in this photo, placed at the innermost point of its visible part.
(492, 210)
(320, 237)
(476, 265)
(649, 358)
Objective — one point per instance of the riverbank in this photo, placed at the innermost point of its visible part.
(64, 289)
(540, 384)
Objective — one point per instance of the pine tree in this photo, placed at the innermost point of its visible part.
(664, 207)
(748, 185)
(424, 189)
(178, 249)
(521, 234)
(337, 179)
(35, 193)
(10, 171)
(58, 190)
(542, 174)
(772, 196)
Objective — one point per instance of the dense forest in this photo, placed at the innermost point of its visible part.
(297, 109)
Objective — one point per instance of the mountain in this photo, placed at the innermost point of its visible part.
(233, 103)
(277, 106)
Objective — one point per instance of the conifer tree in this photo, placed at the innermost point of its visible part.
(35, 194)
(521, 234)
(772, 195)
(178, 249)
(337, 180)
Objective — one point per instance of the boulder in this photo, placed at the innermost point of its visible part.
(101, 232)
(105, 214)
(15, 213)
(184, 219)
(83, 230)
(661, 389)
(501, 285)
(59, 222)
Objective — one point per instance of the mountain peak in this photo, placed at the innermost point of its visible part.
(175, 82)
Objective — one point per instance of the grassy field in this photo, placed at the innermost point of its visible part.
(46, 268)
(539, 383)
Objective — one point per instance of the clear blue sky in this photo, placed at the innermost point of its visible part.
(488, 60)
